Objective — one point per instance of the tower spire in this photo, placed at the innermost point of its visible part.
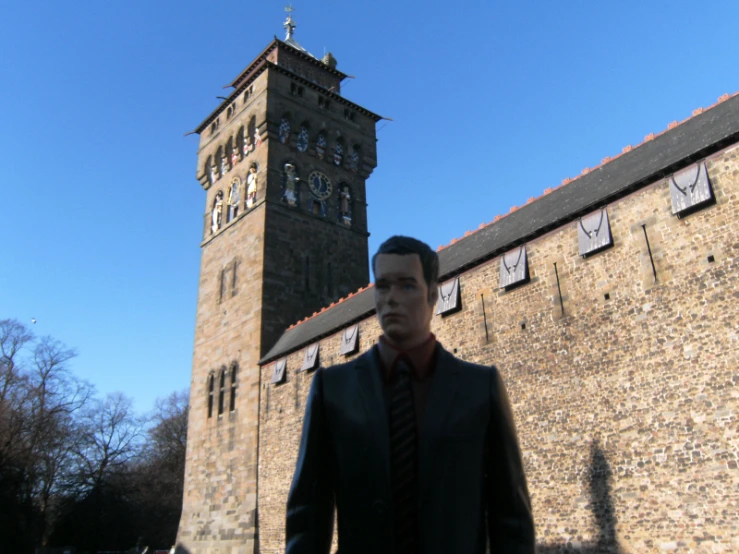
(289, 23)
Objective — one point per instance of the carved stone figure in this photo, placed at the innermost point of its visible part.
(234, 197)
(251, 187)
(224, 166)
(213, 174)
(290, 194)
(215, 216)
(321, 146)
(234, 157)
(345, 205)
(338, 154)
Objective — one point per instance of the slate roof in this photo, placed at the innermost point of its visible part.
(707, 131)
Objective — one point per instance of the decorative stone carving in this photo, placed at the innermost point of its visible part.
(310, 359)
(321, 146)
(290, 189)
(594, 232)
(251, 187)
(345, 205)
(514, 268)
(216, 214)
(690, 189)
(278, 375)
(234, 197)
(448, 297)
(349, 342)
(338, 154)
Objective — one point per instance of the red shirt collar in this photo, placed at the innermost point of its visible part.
(421, 357)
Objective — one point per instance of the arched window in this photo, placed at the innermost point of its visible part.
(211, 386)
(251, 134)
(232, 404)
(234, 199)
(344, 212)
(303, 138)
(216, 214)
(209, 170)
(283, 134)
(220, 162)
(321, 145)
(339, 153)
(354, 158)
(230, 154)
(221, 390)
(240, 144)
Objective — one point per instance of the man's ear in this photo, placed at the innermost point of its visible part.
(433, 294)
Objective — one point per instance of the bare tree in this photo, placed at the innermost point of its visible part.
(110, 437)
(39, 397)
(55, 397)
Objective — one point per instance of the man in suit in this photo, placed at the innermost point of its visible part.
(414, 448)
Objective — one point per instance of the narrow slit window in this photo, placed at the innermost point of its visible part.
(221, 391)
(211, 385)
(232, 404)
(233, 279)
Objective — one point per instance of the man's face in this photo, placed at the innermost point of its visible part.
(402, 299)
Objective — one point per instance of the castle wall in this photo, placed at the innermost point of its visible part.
(626, 407)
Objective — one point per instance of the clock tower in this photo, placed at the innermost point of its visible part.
(283, 162)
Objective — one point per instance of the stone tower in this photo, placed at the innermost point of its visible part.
(283, 162)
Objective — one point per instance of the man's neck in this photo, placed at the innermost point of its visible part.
(410, 343)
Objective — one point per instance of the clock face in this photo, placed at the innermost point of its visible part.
(302, 142)
(320, 185)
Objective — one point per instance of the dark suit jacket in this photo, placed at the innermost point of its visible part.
(471, 480)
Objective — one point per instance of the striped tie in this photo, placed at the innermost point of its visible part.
(403, 461)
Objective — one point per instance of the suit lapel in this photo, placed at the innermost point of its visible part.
(372, 397)
(441, 400)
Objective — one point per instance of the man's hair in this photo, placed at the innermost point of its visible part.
(406, 245)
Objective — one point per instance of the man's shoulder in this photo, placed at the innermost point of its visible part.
(472, 367)
(341, 369)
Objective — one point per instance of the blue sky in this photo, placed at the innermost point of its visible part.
(492, 102)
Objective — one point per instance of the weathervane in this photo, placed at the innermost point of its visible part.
(289, 23)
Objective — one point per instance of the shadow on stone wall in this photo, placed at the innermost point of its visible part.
(601, 504)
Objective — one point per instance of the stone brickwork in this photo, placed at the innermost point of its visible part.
(626, 402)
(253, 281)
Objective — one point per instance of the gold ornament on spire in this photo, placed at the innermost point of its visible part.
(289, 23)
